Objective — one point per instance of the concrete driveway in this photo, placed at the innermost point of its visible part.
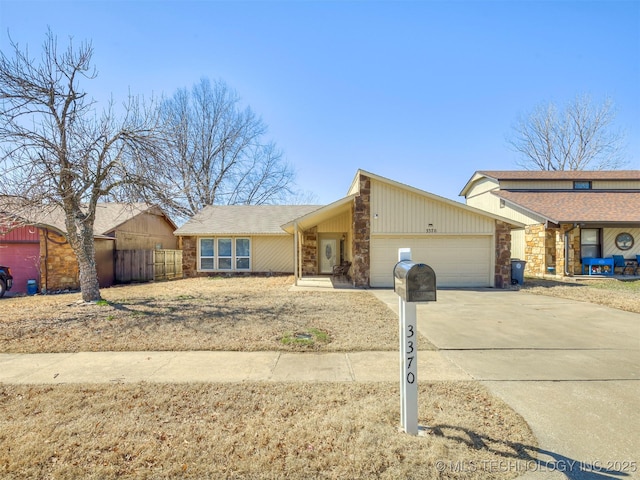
(571, 369)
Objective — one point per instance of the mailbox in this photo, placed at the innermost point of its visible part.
(414, 282)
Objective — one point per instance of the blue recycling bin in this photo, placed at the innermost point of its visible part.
(32, 287)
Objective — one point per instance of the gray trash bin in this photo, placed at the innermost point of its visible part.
(517, 272)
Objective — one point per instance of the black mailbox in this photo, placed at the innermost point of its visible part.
(414, 282)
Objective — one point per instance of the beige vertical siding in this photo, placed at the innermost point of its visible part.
(481, 186)
(517, 244)
(339, 224)
(402, 212)
(567, 184)
(615, 185)
(490, 203)
(272, 254)
(536, 185)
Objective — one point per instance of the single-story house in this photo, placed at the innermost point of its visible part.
(465, 246)
(34, 245)
(569, 216)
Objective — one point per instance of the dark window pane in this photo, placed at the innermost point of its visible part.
(206, 263)
(206, 247)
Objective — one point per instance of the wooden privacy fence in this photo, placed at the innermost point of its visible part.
(147, 265)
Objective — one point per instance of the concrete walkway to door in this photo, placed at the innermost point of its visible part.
(571, 369)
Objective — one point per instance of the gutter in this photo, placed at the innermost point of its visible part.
(295, 253)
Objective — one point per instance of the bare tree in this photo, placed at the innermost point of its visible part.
(215, 153)
(580, 137)
(57, 150)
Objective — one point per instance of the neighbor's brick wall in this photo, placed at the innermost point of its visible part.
(58, 265)
(361, 234)
(310, 252)
(503, 255)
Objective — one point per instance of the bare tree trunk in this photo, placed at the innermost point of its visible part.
(80, 235)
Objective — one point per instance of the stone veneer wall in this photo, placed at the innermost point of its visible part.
(58, 264)
(550, 248)
(503, 255)
(535, 250)
(559, 247)
(310, 252)
(189, 246)
(361, 266)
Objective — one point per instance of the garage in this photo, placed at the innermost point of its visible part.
(20, 251)
(458, 261)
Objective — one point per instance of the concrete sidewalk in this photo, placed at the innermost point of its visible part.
(171, 367)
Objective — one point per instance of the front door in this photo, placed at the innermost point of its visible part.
(328, 251)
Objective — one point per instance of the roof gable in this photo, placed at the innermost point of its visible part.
(110, 216)
(433, 197)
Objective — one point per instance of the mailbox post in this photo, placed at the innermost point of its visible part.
(413, 282)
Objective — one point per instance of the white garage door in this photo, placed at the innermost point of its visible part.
(457, 261)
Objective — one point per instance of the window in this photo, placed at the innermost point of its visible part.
(243, 254)
(206, 254)
(590, 243)
(224, 254)
(581, 185)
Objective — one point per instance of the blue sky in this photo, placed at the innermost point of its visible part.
(422, 92)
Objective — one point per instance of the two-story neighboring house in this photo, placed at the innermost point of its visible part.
(570, 216)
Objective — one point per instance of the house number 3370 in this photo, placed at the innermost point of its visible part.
(411, 369)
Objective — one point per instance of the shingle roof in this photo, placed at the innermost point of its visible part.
(109, 215)
(561, 174)
(243, 219)
(567, 207)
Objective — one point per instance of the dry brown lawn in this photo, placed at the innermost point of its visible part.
(614, 293)
(257, 431)
(238, 314)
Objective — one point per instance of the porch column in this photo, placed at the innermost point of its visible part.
(503, 255)
(362, 234)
